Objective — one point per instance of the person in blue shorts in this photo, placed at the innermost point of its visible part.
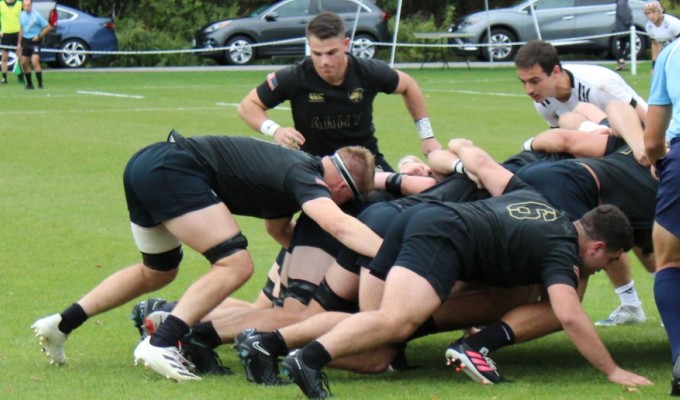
(663, 127)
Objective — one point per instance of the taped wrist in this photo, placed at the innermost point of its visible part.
(458, 167)
(393, 184)
(424, 128)
(268, 127)
(528, 145)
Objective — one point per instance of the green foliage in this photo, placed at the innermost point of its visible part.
(419, 22)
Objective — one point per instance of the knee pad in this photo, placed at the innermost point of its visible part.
(330, 301)
(165, 261)
(226, 248)
(300, 290)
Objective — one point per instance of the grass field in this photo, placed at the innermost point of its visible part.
(65, 228)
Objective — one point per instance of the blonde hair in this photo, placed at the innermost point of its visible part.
(360, 164)
(654, 6)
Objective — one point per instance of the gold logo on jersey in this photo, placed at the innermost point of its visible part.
(532, 210)
(316, 98)
(356, 95)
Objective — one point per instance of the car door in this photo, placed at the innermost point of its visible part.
(346, 9)
(555, 18)
(595, 17)
(287, 20)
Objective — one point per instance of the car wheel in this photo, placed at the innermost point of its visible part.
(364, 46)
(240, 51)
(640, 46)
(67, 59)
(501, 48)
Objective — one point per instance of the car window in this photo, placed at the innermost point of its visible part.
(548, 4)
(340, 6)
(293, 8)
(63, 15)
(582, 3)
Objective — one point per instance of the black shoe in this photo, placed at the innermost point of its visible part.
(476, 364)
(675, 383)
(29, 87)
(142, 310)
(260, 365)
(399, 362)
(4, 82)
(313, 382)
(204, 358)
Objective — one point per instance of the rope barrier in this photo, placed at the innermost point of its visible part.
(558, 42)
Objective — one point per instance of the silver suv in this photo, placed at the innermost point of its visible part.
(285, 20)
(563, 20)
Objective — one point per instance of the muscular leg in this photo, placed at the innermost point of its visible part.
(666, 284)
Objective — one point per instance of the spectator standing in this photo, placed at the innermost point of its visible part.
(33, 28)
(9, 31)
(623, 22)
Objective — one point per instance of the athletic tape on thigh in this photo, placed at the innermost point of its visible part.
(300, 290)
(165, 261)
(226, 248)
(330, 301)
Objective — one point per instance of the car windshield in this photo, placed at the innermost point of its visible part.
(259, 10)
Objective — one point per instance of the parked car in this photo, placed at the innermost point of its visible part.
(80, 31)
(288, 19)
(557, 20)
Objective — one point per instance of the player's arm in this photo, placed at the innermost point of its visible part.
(281, 230)
(253, 112)
(415, 104)
(478, 164)
(402, 184)
(580, 330)
(347, 229)
(576, 143)
(655, 131)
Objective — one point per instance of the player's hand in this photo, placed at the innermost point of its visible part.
(289, 137)
(641, 157)
(416, 169)
(430, 144)
(627, 378)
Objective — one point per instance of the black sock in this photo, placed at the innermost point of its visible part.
(71, 318)
(274, 342)
(428, 327)
(29, 80)
(493, 337)
(4, 76)
(39, 76)
(315, 356)
(206, 333)
(169, 332)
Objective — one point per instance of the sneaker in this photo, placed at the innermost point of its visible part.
(675, 383)
(4, 82)
(202, 356)
(624, 314)
(167, 361)
(144, 308)
(313, 382)
(260, 365)
(476, 364)
(51, 338)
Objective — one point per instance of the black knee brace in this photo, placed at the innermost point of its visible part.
(268, 289)
(166, 261)
(330, 301)
(226, 248)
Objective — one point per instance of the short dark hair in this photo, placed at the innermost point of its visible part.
(610, 225)
(538, 52)
(326, 25)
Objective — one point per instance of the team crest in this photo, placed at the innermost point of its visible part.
(356, 95)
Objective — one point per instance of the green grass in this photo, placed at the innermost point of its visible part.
(65, 228)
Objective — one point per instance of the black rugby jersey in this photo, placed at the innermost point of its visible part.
(519, 239)
(257, 178)
(331, 117)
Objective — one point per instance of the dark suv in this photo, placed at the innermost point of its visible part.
(287, 20)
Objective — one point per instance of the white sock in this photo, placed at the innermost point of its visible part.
(628, 295)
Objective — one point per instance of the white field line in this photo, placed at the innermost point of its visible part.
(476, 92)
(109, 94)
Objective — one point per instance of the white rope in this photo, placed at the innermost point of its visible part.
(570, 41)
